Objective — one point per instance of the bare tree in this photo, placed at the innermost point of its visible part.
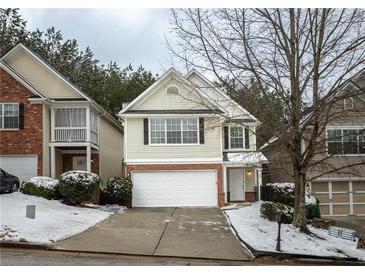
(304, 56)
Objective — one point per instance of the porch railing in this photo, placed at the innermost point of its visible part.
(70, 134)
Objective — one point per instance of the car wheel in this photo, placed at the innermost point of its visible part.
(14, 187)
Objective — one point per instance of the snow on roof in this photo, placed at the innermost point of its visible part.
(248, 158)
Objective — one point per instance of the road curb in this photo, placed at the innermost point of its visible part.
(260, 253)
(23, 245)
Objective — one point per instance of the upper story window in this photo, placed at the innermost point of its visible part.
(70, 117)
(348, 103)
(174, 131)
(236, 137)
(9, 116)
(346, 141)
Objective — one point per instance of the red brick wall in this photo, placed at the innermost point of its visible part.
(217, 167)
(250, 196)
(67, 162)
(30, 139)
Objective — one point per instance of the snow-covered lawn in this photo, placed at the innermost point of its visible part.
(54, 221)
(261, 234)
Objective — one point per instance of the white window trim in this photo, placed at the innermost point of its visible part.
(352, 103)
(243, 136)
(344, 128)
(180, 144)
(3, 116)
(178, 89)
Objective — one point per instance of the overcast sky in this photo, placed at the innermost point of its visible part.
(125, 36)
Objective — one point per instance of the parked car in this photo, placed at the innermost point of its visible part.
(8, 182)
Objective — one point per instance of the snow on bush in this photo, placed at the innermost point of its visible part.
(119, 188)
(269, 210)
(78, 186)
(42, 187)
(43, 181)
(284, 193)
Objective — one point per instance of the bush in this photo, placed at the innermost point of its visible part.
(269, 210)
(44, 187)
(119, 188)
(282, 193)
(77, 187)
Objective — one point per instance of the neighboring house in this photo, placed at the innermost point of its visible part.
(188, 144)
(49, 126)
(342, 192)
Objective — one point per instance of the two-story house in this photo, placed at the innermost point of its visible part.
(49, 126)
(189, 144)
(338, 180)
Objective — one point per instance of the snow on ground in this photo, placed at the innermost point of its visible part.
(108, 208)
(54, 220)
(43, 181)
(261, 234)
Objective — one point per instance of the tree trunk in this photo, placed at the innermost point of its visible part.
(300, 212)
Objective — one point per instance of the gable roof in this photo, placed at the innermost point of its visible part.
(19, 47)
(215, 96)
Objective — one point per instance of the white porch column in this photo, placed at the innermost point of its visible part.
(52, 124)
(88, 127)
(259, 183)
(225, 183)
(53, 162)
(88, 158)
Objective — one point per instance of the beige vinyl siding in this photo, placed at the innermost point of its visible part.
(159, 99)
(41, 77)
(46, 138)
(137, 150)
(111, 150)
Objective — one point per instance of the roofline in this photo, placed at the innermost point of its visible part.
(21, 79)
(220, 92)
(48, 67)
(60, 76)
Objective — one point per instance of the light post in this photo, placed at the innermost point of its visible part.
(278, 219)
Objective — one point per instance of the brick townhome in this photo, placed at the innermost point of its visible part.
(189, 144)
(49, 126)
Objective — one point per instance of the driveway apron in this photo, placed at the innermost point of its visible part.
(178, 232)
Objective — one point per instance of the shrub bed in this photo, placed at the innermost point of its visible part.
(118, 190)
(269, 210)
(77, 187)
(42, 186)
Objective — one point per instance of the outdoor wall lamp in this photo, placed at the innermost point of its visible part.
(249, 172)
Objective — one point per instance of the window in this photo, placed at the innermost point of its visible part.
(236, 137)
(70, 117)
(346, 141)
(174, 131)
(348, 103)
(9, 116)
(172, 89)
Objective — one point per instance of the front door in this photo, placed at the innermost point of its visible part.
(236, 184)
(79, 163)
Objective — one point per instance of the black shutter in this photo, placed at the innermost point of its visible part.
(226, 138)
(145, 131)
(247, 138)
(201, 130)
(21, 116)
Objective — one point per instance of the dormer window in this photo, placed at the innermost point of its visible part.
(172, 89)
(348, 103)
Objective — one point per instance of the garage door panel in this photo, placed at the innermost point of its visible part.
(22, 166)
(323, 198)
(174, 188)
(359, 209)
(359, 198)
(358, 186)
(341, 209)
(324, 209)
(340, 198)
(340, 186)
(320, 187)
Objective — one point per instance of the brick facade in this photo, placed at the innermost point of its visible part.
(217, 167)
(250, 197)
(68, 162)
(30, 139)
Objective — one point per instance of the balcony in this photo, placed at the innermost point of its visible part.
(74, 125)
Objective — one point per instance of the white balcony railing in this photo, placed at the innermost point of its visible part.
(63, 134)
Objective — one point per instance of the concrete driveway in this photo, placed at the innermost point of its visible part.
(177, 232)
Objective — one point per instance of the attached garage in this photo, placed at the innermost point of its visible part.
(174, 188)
(22, 166)
(340, 198)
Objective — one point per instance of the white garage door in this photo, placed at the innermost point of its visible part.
(23, 167)
(174, 188)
